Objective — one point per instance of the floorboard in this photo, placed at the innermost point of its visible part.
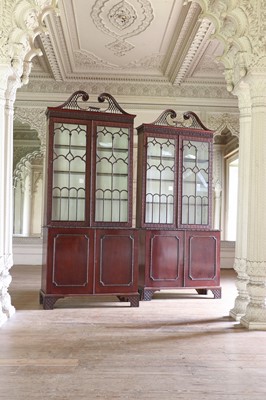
(180, 345)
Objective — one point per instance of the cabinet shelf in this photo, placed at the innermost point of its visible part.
(159, 180)
(160, 158)
(68, 198)
(111, 150)
(111, 174)
(69, 147)
(65, 172)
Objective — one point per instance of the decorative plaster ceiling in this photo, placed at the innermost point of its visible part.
(159, 41)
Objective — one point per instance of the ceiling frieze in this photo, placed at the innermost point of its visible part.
(192, 89)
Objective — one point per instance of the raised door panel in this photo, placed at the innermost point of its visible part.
(116, 261)
(164, 259)
(202, 267)
(69, 264)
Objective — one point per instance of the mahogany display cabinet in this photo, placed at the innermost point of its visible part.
(178, 249)
(88, 218)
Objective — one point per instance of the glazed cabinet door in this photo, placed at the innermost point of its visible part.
(68, 172)
(116, 261)
(69, 261)
(195, 166)
(157, 181)
(112, 174)
(202, 258)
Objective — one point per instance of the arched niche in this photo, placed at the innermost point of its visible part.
(27, 180)
(226, 144)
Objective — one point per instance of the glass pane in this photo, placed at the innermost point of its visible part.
(69, 166)
(111, 192)
(160, 178)
(195, 182)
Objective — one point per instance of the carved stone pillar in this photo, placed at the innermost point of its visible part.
(240, 263)
(255, 316)
(22, 21)
(27, 205)
(8, 86)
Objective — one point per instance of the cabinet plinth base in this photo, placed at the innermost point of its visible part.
(48, 300)
(133, 299)
(146, 294)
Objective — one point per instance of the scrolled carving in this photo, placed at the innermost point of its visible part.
(195, 121)
(163, 118)
(72, 102)
(190, 119)
(113, 107)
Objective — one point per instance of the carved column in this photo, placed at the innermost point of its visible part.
(240, 263)
(21, 22)
(8, 86)
(255, 316)
(27, 205)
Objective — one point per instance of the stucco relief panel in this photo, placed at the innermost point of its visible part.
(121, 20)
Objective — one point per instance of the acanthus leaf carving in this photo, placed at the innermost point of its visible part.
(241, 27)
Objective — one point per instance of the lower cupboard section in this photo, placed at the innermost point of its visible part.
(80, 261)
(179, 260)
(130, 264)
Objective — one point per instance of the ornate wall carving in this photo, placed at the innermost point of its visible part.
(141, 88)
(221, 122)
(122, 21)
(21, 22)
(36, 119)
(240, 25)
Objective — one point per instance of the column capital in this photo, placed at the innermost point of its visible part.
(240, 26)
(22, 21)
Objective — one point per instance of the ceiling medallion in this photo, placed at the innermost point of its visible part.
(122, 15)
(122, 20)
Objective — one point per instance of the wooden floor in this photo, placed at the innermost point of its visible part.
(178, 346)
